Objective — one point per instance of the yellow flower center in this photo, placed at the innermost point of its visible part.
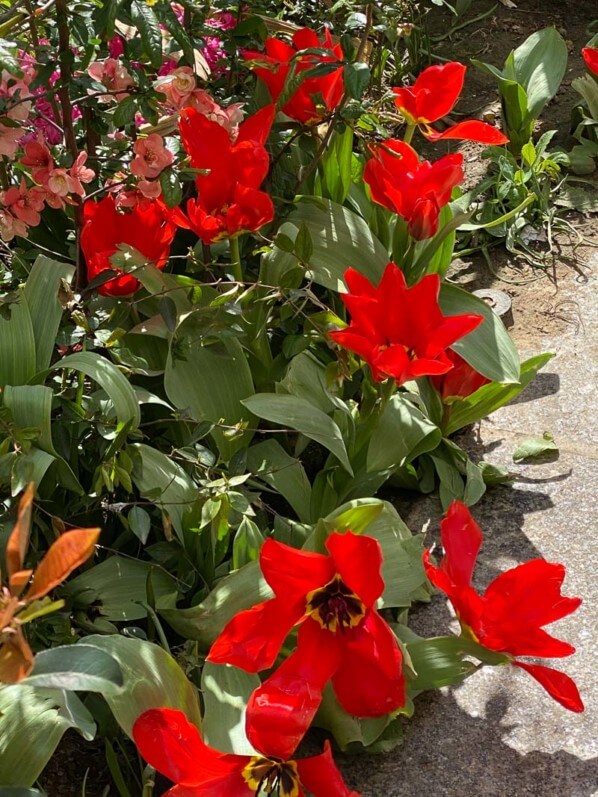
(268, 775)
(334, 606)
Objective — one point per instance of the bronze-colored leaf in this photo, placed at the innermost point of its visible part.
(69, 551)
(16, 657)
(19, 538)
(18, 581)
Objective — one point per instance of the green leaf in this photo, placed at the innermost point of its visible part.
(151, 679)
(489, 348)
(124, 113)
(8, 57)
(232, 594)
(540, 64)
(299, 414)
(271, 464)
(303, 244)
(140, 523)
(489, 398)
(148, 26)
(172, 190)
(226, 691)
(402, 433)
(247, 543)
(336, 164)
(178, 32)
(161, 480)
(78, 667)
(117, 587)
(534, 447)
(438, 662)
(113, 382)
(357, 78)
(19, 791)
(17, 343)
(42, 290)
(341, 239)
(32, 722)
(210, 382)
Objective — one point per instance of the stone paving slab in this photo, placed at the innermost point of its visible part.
(499, 733)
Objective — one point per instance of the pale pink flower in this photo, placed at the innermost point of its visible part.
(24, 203)
(223, 20)
(81, 173)
(151, 156)
(112, 74)
(61, 183)
(9, 139)
(177, 87)
(38, 158)
(149, 189)
(229, 118)
(10, 226)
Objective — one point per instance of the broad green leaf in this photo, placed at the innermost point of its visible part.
(240, 590)
(540, 64)
(226, 691)
(306, 378)
(489, 348)
(110, 379)
(402, 433)
(147, 24)
(20, 791)
(247, 543)
(341, 240)
(210, 382)
(42, 290)
(336, 166)
(32, 722)
(271, 463)
(357, 77)
(296, 413)
(78, 667)
(17, 343)
(117, 587)
(489, 398)
(438, 662)
(31, 407)
(124, 113)
(534, 447)
(161, 480)
(151, 679)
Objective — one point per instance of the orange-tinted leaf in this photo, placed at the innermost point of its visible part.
(9, 609)
(16, 658)
(69, 551)
(19, 538)
(18, 581)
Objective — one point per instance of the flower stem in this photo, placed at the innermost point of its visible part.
(409, 133)
(235, 258)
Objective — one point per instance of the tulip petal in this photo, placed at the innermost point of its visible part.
(358, 560)
(437, 90)
(253, 638)
(590, 56)
(292, 573)
(321, 777)
(257, 126)
(369, 681)
(173, 746)
(470, 130)
(558, 685)
(461, 539)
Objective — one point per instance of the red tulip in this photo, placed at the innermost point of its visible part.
(229, 201)
(432, 96)
(316, 97)
(461, 381)
(148, 228)
(413, 189)
(341, 637)
(399, 331)
(174, 747)
(590, 56)
(510, 615)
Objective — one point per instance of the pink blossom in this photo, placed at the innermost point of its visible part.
(38, 158)
(223, 20)
(61, 183)
(177, 87)
(179, 11)
(112, 74)
(9, 139)
(23, 203)
(167, 67)
(81, 173)
(11, 226)
(151, 156)
(229, 118)
(116, 46)
(214, 54)
(149, 189)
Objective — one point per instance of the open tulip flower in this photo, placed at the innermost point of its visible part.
(434, 95)
(416, 190)
(341, 637)
(148, 228)
(510, 615)
(229, 200)
(174, 747)
(590, 56)
(316, 96)
(399, 331)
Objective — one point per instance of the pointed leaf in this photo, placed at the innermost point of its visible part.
(69, 551)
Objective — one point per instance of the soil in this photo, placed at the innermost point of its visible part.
(538, 308)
